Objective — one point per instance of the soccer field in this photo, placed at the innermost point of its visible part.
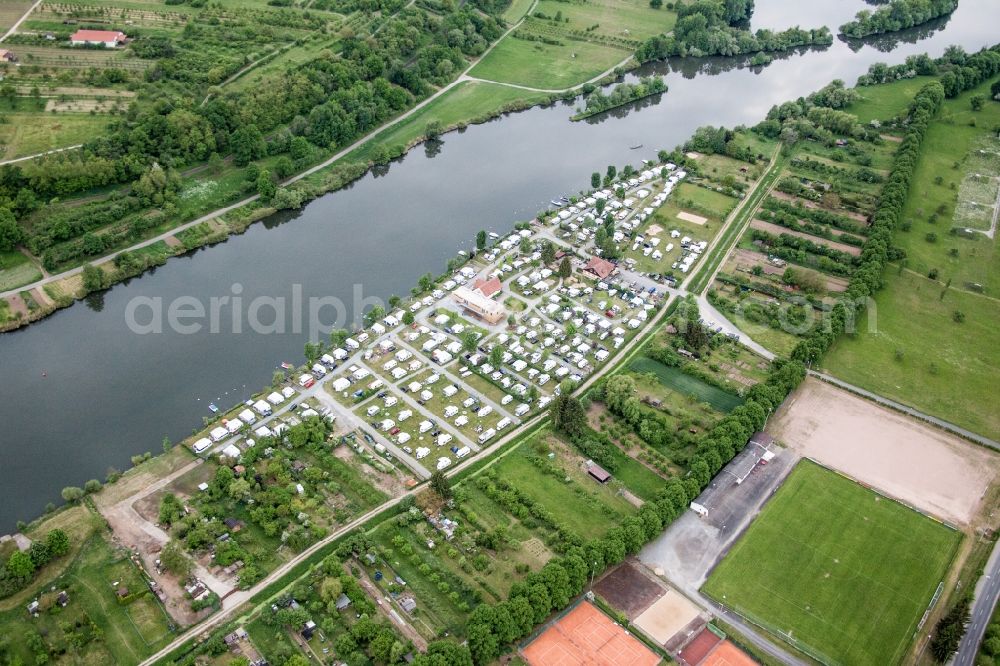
(840, 569)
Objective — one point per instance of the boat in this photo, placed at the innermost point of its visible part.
(215, 410)
(635, 147)
(557, 204)
(286, 365)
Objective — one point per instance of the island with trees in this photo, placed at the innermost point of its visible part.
(622, 94)
(896, 15)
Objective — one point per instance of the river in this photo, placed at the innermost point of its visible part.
(82, 392)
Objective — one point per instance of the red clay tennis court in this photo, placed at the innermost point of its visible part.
(700, 646)
(727, 654)
(585, 635)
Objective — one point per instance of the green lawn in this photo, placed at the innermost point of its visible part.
(948, 369)
(546, 66)
(465, 103)
(26, 133)
(626, 19)
(517, 10)
(840, 569)
(582, 504)
(886, 101)
(16, 270)
(688, 385)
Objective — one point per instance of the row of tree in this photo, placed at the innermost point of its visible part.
(897, 15)
(493, 627)
(965, 73)
(717, 27)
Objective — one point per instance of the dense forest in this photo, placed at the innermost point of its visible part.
(325, 102)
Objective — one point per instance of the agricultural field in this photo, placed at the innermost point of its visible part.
(836, 569)
(110, 615)
(563, 44)
(27, 133)
(802, 243)
(928, 341)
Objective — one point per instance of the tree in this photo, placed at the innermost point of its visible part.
(441, 485)
(949, 630)
(93, 278)
(265, 185)
(565, 268)
(595, 180)
(58, 543)
(568, 415)
(92, 486)
(433, 129)
(72, 494)
(617, 390)
(338, 336)
(481, 240)
(470, 340)
(408, 318)
(247, 144)
(977, 102)
(548, 252)
(173, 559)
(496, 356)
(11, 234)
(20, 565)
(655, 4)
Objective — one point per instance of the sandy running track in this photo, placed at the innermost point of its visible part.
(904, 458)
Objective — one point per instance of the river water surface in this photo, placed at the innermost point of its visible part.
(81, 392)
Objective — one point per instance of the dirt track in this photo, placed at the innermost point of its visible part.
(904, 458)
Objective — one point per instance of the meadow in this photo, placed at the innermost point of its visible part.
(836, 568)
(933, 338)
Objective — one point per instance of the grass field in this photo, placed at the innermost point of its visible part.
(546, 66)
(886, 101)
(919, 354)
(16, 270)
(27, 133)
(688, 385)
(840, 569)
(946, 368)
(582, 504)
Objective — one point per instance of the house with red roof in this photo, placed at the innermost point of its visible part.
(600, 268)
(488, 288)
(107, 38)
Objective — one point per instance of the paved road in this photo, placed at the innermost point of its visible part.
(19, 21)
(239, 204)
(986, 595)
(910, 411)
(42, 154)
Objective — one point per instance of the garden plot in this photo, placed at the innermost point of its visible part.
(979, 194)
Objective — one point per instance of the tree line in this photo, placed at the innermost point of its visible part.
(622, 94)
(492, 628)
(716, 27)
(897, 15)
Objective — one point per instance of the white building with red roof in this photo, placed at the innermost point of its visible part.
(106, 38)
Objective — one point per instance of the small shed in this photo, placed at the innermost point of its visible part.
(598, 472)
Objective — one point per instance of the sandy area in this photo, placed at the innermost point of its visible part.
(670, 614)
(691, 217)
(654, 230)
(902, 457)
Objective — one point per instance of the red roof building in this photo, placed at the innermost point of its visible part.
(601, 268)
(106, 38)
(488, 288)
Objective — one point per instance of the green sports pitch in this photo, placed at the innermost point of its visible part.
(836, 569)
